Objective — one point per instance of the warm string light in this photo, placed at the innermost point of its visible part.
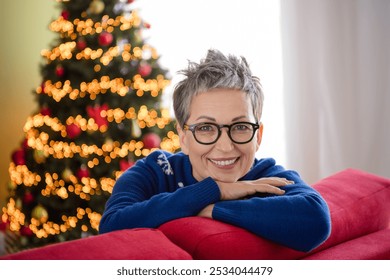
(56, 125)
(61, 149)
(43, 229)
(20, 175)
(14, 215)
(84, 188)
(65, 51)
(154, 86)
(59, 90)
(171, 142)
(60, 187)
(89, 27)
(56, 186)
(145, 117)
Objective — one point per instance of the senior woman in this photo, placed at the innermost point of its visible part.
(218, 108)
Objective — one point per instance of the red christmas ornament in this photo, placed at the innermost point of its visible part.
(144, 69)
(81, 44)
(25, 144)
(28, 198)
(73, 130)
(26, 231)
(124, 164)
(42, 87)
(147, 25)
(3, 225)
(151, 140)
(19, 157)
(60, 71)
(105, 39)
(65, 14)
(95, 112)
(45, 111)
(82, 172)
(130, 1)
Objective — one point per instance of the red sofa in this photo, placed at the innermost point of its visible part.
(360, 211)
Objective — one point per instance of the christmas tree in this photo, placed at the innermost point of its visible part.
(99, 110)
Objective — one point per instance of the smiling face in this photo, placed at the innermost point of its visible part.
(224, 160)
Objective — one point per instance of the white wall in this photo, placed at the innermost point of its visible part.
(185, 30)
(24, 33)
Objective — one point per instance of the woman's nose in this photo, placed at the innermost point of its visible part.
(224, 143)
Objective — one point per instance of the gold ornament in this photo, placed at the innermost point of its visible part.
(11, 186)
(39, 156)
(96, 7)
(40, 213)
(19, 203)
(135, 129)
(67, 174)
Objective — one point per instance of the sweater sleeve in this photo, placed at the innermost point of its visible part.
(142, 197)
(299, 219)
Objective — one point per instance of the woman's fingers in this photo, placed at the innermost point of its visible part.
(274, 181)
(241, 189)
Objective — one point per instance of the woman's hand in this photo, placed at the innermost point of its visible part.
(207, 211)
(241, 189)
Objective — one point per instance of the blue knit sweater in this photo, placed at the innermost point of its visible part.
(161, 188)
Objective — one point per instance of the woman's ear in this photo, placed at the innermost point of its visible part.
(259, 135)
(182, 139)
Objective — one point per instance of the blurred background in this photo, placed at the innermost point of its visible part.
(25, 33)
(324, 66)
(180, 31)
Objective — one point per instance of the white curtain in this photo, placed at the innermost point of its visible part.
(336, 60)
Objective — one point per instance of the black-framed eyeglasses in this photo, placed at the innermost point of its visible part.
(208, 133)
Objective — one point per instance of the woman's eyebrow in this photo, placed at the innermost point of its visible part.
(239, 118)
(207, 118)
(214, 120)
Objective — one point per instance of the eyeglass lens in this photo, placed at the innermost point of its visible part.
(209, 133)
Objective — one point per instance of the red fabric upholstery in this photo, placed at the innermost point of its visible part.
(374, 246)
(205, 238)
(139, 244)
(359, 203)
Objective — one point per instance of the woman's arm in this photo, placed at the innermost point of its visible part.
(298, 219)
(143, 197)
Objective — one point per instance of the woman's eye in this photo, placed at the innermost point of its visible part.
(241, 127)
(205, 128)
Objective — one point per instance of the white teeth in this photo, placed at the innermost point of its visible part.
(224, 162)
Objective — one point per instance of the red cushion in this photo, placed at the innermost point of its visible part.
(209, 239)
(374, 246)
(358, 202)
(138, 244)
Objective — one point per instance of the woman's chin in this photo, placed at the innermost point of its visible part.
(225, 178)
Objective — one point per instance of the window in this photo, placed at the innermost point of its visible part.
(185, 30)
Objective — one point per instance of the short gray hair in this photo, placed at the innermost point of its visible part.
(216, 71)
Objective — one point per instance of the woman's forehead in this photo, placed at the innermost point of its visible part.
(220, 104)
